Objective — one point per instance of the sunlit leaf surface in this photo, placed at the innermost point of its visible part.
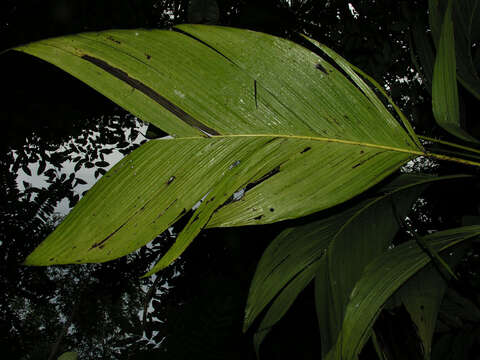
(251, 114)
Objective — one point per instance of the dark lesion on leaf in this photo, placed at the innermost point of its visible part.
(277, 266)
(211, 199)
(100, 243)
(262, 179)
(367, 159)
(166, 209)
(321, 68)
(152, 94)
(255, 93)
(111, 38)
(308, 148)
(148, 56)
(258, 217)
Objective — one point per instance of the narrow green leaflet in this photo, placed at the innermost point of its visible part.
(257, 147)
(436, 10)
(280, 272)
(283, 302)
(421, 42)
(289, 254)
(380, 353)
(363, 237)
(422, 296)
(465, 16)
(71, 355)
(381, 279)
(444, 83)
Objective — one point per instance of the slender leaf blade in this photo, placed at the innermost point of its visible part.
(283, 302)
(422, 296)
(444, 83)
(296, 248)
(381, 279)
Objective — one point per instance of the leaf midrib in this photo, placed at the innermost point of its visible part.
(305, 137)
(338, 141)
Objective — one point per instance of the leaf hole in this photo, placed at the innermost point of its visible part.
(262, 179)
(321, 68)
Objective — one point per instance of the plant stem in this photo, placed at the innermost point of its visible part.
(449, 144)
(452, 159)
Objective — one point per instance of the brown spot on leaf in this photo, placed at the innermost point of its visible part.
(211, 199)
(109, 236)
(111, 38)
(258, 217)
(262, 179)
(255, 93)
(365, 160)
(321, 68)
(168, 207)
(305, 150)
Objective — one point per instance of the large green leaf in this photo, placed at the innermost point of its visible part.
(381, 279)
(292, 144)
(288, 263)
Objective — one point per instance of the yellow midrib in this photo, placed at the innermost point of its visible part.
(341, 141)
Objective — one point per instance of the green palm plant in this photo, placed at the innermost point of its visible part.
(261, 130)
